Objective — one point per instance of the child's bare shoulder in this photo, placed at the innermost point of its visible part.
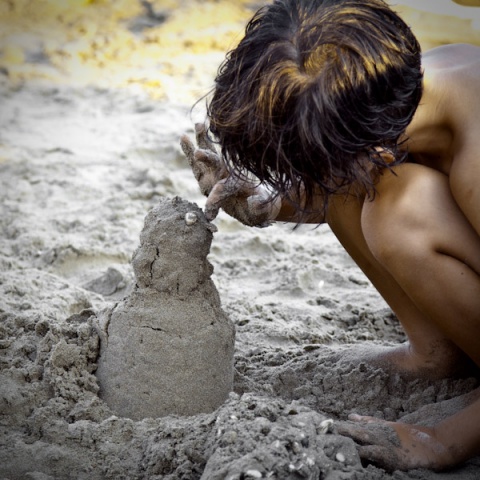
(451, 57)
(455, 63)
(453, 75)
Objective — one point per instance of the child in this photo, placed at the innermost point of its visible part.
(330, 105)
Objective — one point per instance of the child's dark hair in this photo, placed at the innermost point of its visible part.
(314, 91)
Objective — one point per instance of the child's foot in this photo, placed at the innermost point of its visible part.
(442, 361)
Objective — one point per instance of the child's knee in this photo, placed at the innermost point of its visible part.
(464, 178)
(395, 223)
(389, 235)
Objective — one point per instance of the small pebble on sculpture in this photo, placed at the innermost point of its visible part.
(168, 347)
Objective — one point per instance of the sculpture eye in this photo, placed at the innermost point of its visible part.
(191, 218)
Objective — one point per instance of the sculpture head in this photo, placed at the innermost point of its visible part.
(174, 245)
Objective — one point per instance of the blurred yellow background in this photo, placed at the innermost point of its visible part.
(171, 48)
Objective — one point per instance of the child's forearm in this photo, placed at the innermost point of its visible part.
(291, 210)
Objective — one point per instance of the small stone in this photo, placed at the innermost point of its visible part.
(253, 474)
(107, 284)
(230, 437)
(191, 218)
(296, 447)
(340, 457)
(42, 327)
(326, 426)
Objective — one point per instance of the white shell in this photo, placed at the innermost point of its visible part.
(191, 218)
(340, 457)
(253, 474)
(326, 426)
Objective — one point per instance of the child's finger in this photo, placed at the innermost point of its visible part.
(215, 199)
(207, 157)
(202, 139)
(265, 207)
(382, 456)
(365, 418)
(211, 212)
(356, 432)
(188, 148)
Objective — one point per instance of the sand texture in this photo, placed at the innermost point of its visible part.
(75, 189)
(93, 99)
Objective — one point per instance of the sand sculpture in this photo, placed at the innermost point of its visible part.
(168, 347)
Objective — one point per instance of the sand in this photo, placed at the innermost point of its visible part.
(81, 166)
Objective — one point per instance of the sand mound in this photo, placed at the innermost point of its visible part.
(168, 347)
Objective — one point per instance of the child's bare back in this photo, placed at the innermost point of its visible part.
(450, 102)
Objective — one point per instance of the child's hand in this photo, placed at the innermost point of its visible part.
(205, 162)
(396, 446)
(250, 203)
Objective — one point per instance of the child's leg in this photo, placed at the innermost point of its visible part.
(464, 177)
(418, 232)
(422, 255)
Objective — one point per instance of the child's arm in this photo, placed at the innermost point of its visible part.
(249, 202)
(400, 446)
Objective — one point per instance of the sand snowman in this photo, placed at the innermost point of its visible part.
(168, 347)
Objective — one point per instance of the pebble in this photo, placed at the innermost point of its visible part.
(340, 457)
(296, 447)
(191, 218)
(326, 426)
(253, 474)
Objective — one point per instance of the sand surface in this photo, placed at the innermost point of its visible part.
(90, 117)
